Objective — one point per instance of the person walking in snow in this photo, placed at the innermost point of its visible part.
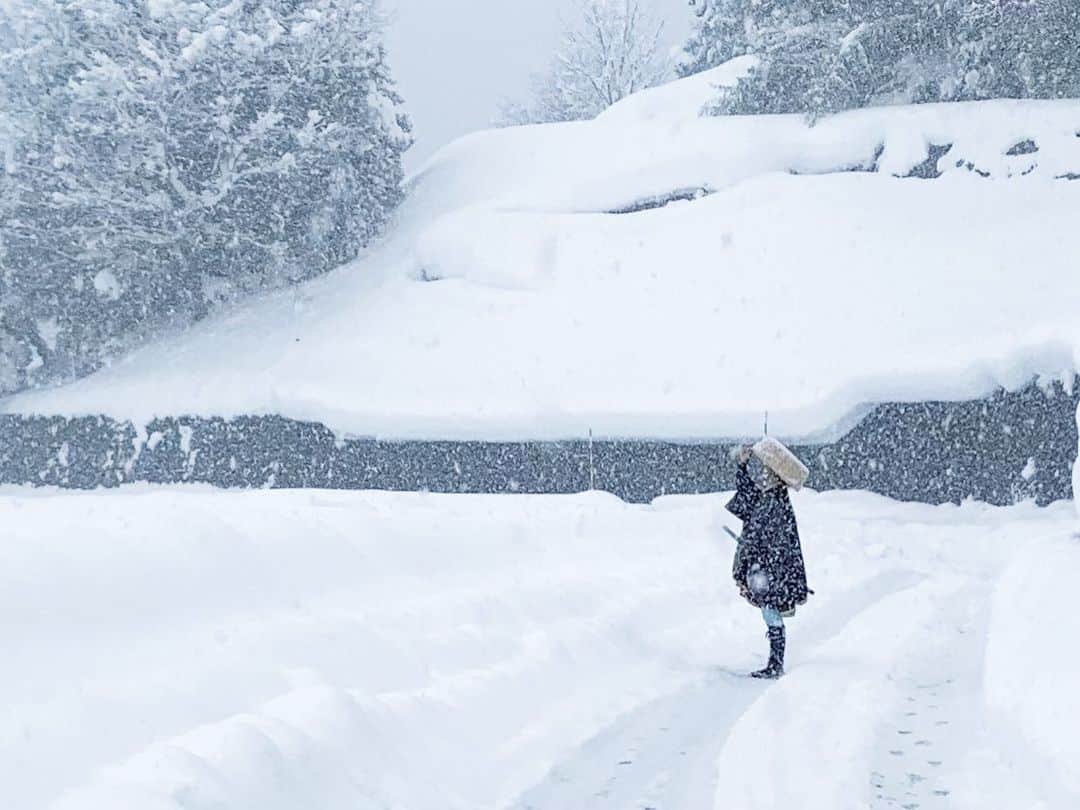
(769, 568)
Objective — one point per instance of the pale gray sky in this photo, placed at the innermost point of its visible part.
(456, 59)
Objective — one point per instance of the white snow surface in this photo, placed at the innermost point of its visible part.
(507, 304)
(189, 649)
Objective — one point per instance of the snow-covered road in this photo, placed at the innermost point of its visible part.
(193, 649)
(883, 708)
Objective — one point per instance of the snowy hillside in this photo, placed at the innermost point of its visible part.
(182, 649)
(806, 274)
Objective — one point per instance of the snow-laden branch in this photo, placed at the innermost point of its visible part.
(611, 50)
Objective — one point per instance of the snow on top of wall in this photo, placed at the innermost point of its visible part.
(507, 304)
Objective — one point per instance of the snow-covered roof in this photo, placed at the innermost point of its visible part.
(507, 303)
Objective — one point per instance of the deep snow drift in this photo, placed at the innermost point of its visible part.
(183, 649)
(508, 305)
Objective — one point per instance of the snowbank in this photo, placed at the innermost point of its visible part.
(1032, 640)
(509, 305)
(278, 650)
(679, 100)
(187, 649)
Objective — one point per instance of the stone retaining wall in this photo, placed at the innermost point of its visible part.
(1008, 447)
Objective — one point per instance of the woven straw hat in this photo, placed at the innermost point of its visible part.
(782, 461)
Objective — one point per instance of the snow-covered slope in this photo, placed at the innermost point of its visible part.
(508, 304)
(172, 649)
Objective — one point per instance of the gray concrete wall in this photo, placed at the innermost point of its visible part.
(1002, 449)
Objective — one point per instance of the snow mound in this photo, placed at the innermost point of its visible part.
(333, 650)
(1035, 620)
(801, 269)
(679, 100)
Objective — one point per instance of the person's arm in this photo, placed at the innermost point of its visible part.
(747, 493)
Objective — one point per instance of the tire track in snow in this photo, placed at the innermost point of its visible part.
(943, 748)
(663, 755)
(921, 749)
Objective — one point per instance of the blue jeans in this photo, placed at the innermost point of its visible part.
(772, 617)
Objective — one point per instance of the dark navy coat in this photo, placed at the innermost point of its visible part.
(769, 568)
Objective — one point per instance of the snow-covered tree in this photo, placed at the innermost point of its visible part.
(163, 156)
(819, 56)
(611, 50)
(1027, 48)
(718, 34)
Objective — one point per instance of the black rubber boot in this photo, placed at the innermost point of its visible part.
(775, 667)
